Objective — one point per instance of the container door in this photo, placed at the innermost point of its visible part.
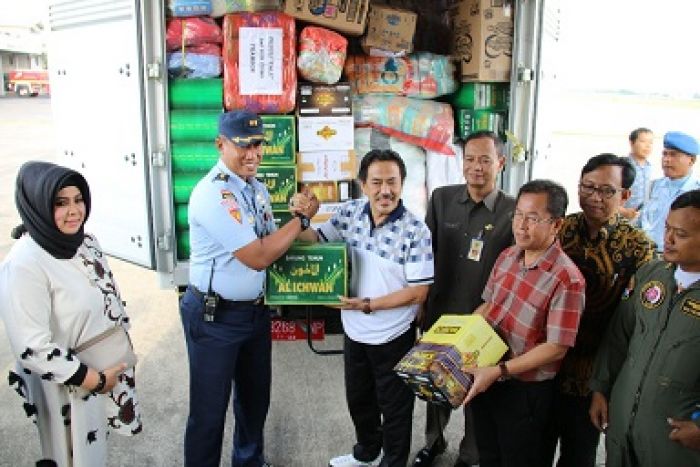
(533, 88)
(98, 100)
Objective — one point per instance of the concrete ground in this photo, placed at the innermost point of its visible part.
(308, 421)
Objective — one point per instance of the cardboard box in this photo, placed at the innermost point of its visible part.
(348, 16)
(390, 29)
(492, 96)
(280, 139)
(326, 133)
(308, 274)
(469, 121)
(325, 211)
(327, 165)
(325, 100)
(433, 367)
(281, 217)
(483, 39)
(281, 182)
(326, 192)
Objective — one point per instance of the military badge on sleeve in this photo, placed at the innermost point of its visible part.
(652, 294)
(228, 200)
(691, 307)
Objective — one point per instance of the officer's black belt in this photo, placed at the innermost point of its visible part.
(223, 303)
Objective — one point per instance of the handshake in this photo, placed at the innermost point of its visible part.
(305, 202)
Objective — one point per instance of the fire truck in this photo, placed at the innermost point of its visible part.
(28, 83)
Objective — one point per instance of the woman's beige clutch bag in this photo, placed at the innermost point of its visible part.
(107, 349)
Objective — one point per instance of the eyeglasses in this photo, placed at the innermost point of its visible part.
(606, 192)
(530, 219)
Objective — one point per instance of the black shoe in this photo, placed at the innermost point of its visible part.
(425, 456)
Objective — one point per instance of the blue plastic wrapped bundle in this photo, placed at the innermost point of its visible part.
(191, 65)
(222, 7)
(189, 7)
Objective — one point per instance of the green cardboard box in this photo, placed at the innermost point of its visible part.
(281, 217)
(280, 139)
(308, 274)
(281, 182)
(470, 121)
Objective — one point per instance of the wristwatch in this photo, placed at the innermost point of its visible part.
(366, 309)
(101, 383)
(305, 221)
(504, 371)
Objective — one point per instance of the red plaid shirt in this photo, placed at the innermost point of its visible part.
(530, 306)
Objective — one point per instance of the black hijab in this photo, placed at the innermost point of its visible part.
(38, 184)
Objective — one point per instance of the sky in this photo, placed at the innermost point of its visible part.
(644, 45)
(641, 45)
(25, 12)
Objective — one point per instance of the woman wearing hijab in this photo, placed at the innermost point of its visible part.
(57, 292)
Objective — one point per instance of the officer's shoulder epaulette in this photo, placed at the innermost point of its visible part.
(220, 177)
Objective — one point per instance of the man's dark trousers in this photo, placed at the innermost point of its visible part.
(235, 347)
(510, 420)
(572, 427)
(374, 391)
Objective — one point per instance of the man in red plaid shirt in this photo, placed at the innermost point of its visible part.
(534, 299)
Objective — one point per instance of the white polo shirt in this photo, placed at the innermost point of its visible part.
(385, 258)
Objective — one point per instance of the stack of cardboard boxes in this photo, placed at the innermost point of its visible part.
(483, 42)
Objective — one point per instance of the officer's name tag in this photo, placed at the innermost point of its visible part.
(475, 248)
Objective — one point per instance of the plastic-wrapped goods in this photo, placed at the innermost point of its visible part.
(183, 244)
(181, 217)
(321, 55)
(195, 93)
(193, 157)
(441, 169)
(427, 124)
(189, 7)
(183, 184)
(423, 75)
(194, 125)
(260, 72)
(222, 7)
(192, 31)
(414, 195)
(193, 66)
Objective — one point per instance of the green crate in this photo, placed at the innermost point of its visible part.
(281, 217)
(281, 182)
(308, 274)
(280, 139)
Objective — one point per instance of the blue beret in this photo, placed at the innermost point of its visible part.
(241, 127)
(681, 142)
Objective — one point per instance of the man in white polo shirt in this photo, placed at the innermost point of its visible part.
(392, 269)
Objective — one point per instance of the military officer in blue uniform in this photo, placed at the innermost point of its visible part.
(678, 158)
(226, 325)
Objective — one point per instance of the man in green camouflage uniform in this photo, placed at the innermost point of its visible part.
(648, 366)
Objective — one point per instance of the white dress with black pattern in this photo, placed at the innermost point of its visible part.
(49, 306)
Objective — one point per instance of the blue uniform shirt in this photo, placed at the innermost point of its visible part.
(663, 192)
(641, 185)
(226, 214)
